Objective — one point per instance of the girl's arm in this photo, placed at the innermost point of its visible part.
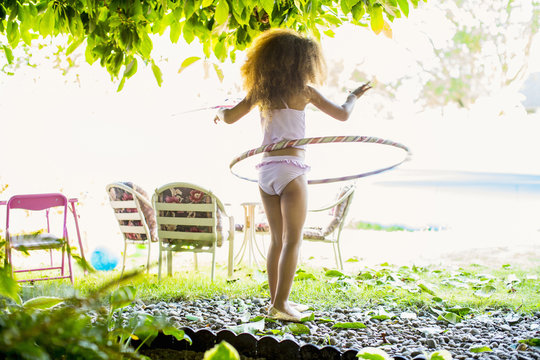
(232, 115)
(338, 112)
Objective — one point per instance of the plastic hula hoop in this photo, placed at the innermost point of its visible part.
(323, 140)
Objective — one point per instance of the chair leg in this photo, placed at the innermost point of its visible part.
(148, 260)
(337, 255)
(124, 259)
(169, 263)
(63, 255)
(8, 260)
(71, 278)
(213, 263)
(230, 264)
(160, 258)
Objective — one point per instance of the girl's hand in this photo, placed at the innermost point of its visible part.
(359, 91)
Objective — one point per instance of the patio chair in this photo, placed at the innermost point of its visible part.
(135, 216)
(331, 233)
(190, 219)
(29, 205)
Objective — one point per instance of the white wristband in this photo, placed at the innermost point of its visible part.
(221, 114)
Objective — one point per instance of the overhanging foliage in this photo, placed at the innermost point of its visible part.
(117, 33)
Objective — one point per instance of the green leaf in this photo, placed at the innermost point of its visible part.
(8, 286)
(189, 8)
(146, 46)
(349, 325)
(122, 297)
(425, 288)
(450, 317)
(304, 276)
(193, 318)
(268, 6)
(74, 45)
(131, 68)
(334, 273)
(251, 327)
(377, 22)
(220, 50)
(344, 4)
(222, 351)
(187, 32)
(13, 35)
(382, 314)
(297, 329)
(330, 33)
(46, 24)
(42, 302)
(222, 12)
(441, 355)
(460, 310)
(358, 11)
(9, 56)
(485, 291)
(176, 30)
(121, 85)
(219, 72)
(177, 333)
(157, 73)
(480, 349)
(310, 317)
(404, 6)
(324, 320)
(372, 353)
(531, 341)
(207, 3)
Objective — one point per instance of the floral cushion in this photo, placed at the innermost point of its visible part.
(187, 195)
(118, 194)
(338, 211)
(313, 233)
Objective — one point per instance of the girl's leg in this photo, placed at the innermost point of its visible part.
(293, 201)
(272, 208)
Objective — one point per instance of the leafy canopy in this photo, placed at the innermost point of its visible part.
(117, 33)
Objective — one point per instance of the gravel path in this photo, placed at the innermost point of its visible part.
(408, 334)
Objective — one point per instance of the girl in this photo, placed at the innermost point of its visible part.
(280, 66)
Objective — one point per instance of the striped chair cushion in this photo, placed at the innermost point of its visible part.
(36, 242)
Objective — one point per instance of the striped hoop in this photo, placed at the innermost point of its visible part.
(324, 140)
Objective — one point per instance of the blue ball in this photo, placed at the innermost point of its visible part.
(103, 259)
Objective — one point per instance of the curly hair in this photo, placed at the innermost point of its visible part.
(280, 64)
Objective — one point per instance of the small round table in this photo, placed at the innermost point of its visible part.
(250, 247)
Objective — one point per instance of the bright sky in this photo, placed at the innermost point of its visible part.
(61, 135)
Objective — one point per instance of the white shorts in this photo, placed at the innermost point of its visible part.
(276, 172)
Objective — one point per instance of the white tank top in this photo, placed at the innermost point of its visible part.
(286, 124)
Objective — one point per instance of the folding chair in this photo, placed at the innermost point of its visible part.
(190, 219)
(39, 241)
(331, 233)
(134, 214)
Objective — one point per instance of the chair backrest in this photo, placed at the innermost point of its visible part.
(340, 209)
(133, 211)
(187, 215)
(37, 202)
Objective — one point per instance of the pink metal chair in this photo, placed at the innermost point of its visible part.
(47, 241)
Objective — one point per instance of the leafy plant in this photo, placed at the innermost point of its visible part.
(222, 351)
(118, 33)
(48, 327)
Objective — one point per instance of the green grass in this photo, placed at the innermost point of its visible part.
(361, 225)
(475, 287)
